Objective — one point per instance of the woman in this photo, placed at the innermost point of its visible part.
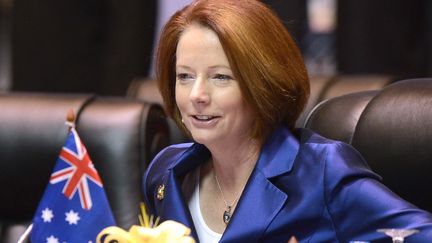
(232, 77)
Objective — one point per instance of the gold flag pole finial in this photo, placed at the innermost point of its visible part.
(70, 119)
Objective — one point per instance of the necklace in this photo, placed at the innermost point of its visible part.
(227, 213)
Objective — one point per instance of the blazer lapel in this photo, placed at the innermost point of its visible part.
(173, 206)
(260, 203)
(262, 200)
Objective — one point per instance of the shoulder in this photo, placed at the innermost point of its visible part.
(307, 136)
(303, 145)
(170, 153)
(339, 162)
(315, 142)
(338, 157)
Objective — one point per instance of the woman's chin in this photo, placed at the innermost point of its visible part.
(204, 138)
(200, 139)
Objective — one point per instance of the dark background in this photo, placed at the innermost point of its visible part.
(99, 46)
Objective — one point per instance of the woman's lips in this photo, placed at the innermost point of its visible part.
(204, 121)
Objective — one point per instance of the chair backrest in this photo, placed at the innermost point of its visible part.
(394, 134)
(146, 89)
(120, 134)
(346, 84)
(327, 87)
(392, 129)
(337, 118)
(317, 86)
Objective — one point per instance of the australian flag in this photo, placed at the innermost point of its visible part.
(74, 207)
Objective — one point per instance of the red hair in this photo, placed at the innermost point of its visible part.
(263, 57)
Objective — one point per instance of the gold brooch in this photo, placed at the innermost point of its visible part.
(160, 192)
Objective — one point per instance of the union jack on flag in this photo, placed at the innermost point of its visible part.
(80, 169)
(74, 207)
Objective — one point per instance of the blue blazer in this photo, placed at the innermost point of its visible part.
(303, 185)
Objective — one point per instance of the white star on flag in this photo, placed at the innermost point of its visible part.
(52, 239)
(47, 215)
(72, 217)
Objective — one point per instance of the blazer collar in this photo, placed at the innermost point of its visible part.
(278, 153)
(195, 155)
(261, 200)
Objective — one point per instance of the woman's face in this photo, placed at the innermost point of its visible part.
(207, 94)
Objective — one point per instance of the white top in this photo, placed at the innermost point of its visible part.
(205, 234)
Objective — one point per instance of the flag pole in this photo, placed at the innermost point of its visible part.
(70, 123)
(26, 233)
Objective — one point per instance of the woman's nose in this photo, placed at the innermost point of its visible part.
(200, 92)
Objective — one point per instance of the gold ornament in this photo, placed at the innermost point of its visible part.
(149, 232)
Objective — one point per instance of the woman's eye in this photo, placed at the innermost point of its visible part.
(184, 76)
(222, 77)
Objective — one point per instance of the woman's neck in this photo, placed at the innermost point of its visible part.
(233, 164)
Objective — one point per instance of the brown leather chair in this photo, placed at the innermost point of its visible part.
(147, 90)
(121, 135)
(392, 129)
(317, 86)
(326, 87)
(337, 118)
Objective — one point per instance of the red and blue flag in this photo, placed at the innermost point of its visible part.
(74, 207)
